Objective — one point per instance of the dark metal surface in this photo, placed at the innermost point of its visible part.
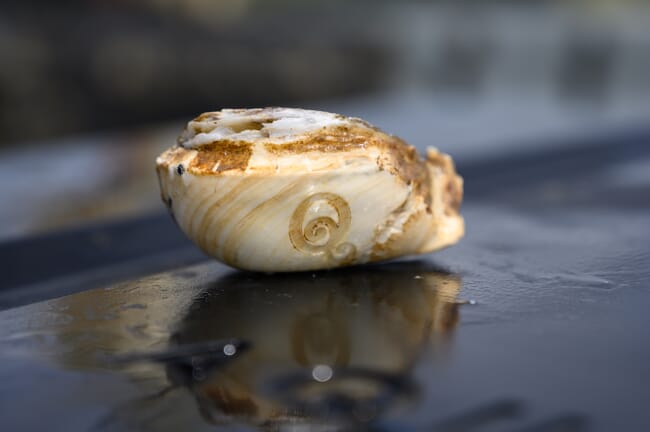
(65, 262)
(537, 321)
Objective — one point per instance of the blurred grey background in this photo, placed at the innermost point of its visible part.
(91, 91)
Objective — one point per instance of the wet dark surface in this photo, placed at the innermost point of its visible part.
(537, 321)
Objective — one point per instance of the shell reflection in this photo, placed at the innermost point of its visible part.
(332, 344)
(266, 350)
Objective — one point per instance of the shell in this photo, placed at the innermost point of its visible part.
(280, 189)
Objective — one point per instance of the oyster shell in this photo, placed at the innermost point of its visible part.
(280, 189)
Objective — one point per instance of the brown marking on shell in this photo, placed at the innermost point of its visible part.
(453, 184)
(227, 154)
(388, 249)
(313, 144)
(453, 195)
(254, 216)
(228, 204)
(326, 140)
(397, 157)
(403, 161)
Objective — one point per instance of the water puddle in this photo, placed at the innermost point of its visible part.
(258, 351)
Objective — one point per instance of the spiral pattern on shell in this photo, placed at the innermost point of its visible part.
(275, 190)
(323, 235)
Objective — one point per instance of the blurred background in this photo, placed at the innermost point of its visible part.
(91, 91)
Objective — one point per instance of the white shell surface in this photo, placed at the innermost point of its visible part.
(325, 192)
(277, 125)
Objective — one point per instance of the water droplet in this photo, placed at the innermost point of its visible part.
(229, 349)
(322, 373)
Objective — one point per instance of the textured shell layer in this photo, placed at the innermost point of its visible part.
(279, 189)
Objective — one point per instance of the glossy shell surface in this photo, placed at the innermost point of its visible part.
(279, 189)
